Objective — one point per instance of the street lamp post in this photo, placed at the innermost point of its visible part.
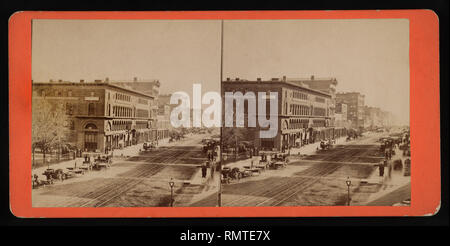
(171, 184)
(348, 182)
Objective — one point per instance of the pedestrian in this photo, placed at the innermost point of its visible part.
(212, 170)
(389, 170)
(35, 181)
(49, 178)
(60, 176)
(381, 168)
(204, 170)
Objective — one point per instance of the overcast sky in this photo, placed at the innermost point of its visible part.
(368, 56)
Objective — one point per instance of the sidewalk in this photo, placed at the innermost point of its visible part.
(397, 182)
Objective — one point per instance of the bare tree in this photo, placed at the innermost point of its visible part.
(49, 125)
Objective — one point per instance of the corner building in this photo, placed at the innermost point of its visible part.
(102, 116)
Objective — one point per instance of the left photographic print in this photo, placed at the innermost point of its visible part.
(101, 111)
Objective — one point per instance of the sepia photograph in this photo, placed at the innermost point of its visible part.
(220, 113)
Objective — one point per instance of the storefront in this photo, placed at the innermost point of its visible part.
(91, 138)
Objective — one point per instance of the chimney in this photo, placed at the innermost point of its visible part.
(81, 80)
(284, 78)
(312, 77)
(135, 79)
(228, 79)
(237, 79)
(60, 80)
(258, 79)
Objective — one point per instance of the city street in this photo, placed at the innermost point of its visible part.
(317, 179)
(136, 181)
(314, 180)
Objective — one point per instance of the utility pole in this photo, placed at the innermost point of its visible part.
(235, 147)
(219, 193)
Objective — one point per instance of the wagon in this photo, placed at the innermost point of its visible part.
(103, 161)
(229, 174)
(53, 174)
(325, 145)
(278, 164)
(75, 171)
(252, 169)
(147, 146)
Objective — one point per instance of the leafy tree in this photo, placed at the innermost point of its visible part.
(49, 125)
(231, 134)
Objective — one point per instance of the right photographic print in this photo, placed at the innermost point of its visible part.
(314, 113)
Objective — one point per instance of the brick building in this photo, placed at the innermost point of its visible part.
(303, 113)
(340, 116)
(355, 107)
(151, 87)
(327, 85)
(103, 116)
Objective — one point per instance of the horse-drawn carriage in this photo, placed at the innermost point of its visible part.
(236, 173)
(209, 144)
(51, 175)
(326, 144)
(229, 174)
(147, 146)
(278, 162)
(274, 159)
(176, 136)
(102, 161)
(262, 163)
(95, 160)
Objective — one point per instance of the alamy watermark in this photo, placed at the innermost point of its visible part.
(234, 110)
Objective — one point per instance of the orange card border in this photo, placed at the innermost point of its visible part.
(424, 117)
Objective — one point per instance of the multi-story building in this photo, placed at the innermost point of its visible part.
(303, 113)
(103, 116)
(387, 119)
(355, 107)
(327, 85)
(163, 119)
(341, 116)
(373, 117)
(151, 87)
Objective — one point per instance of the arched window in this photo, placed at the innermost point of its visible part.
(90, 126)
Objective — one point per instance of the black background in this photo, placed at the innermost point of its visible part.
(164, 231)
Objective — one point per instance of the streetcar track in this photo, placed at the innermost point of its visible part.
(287, 188)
